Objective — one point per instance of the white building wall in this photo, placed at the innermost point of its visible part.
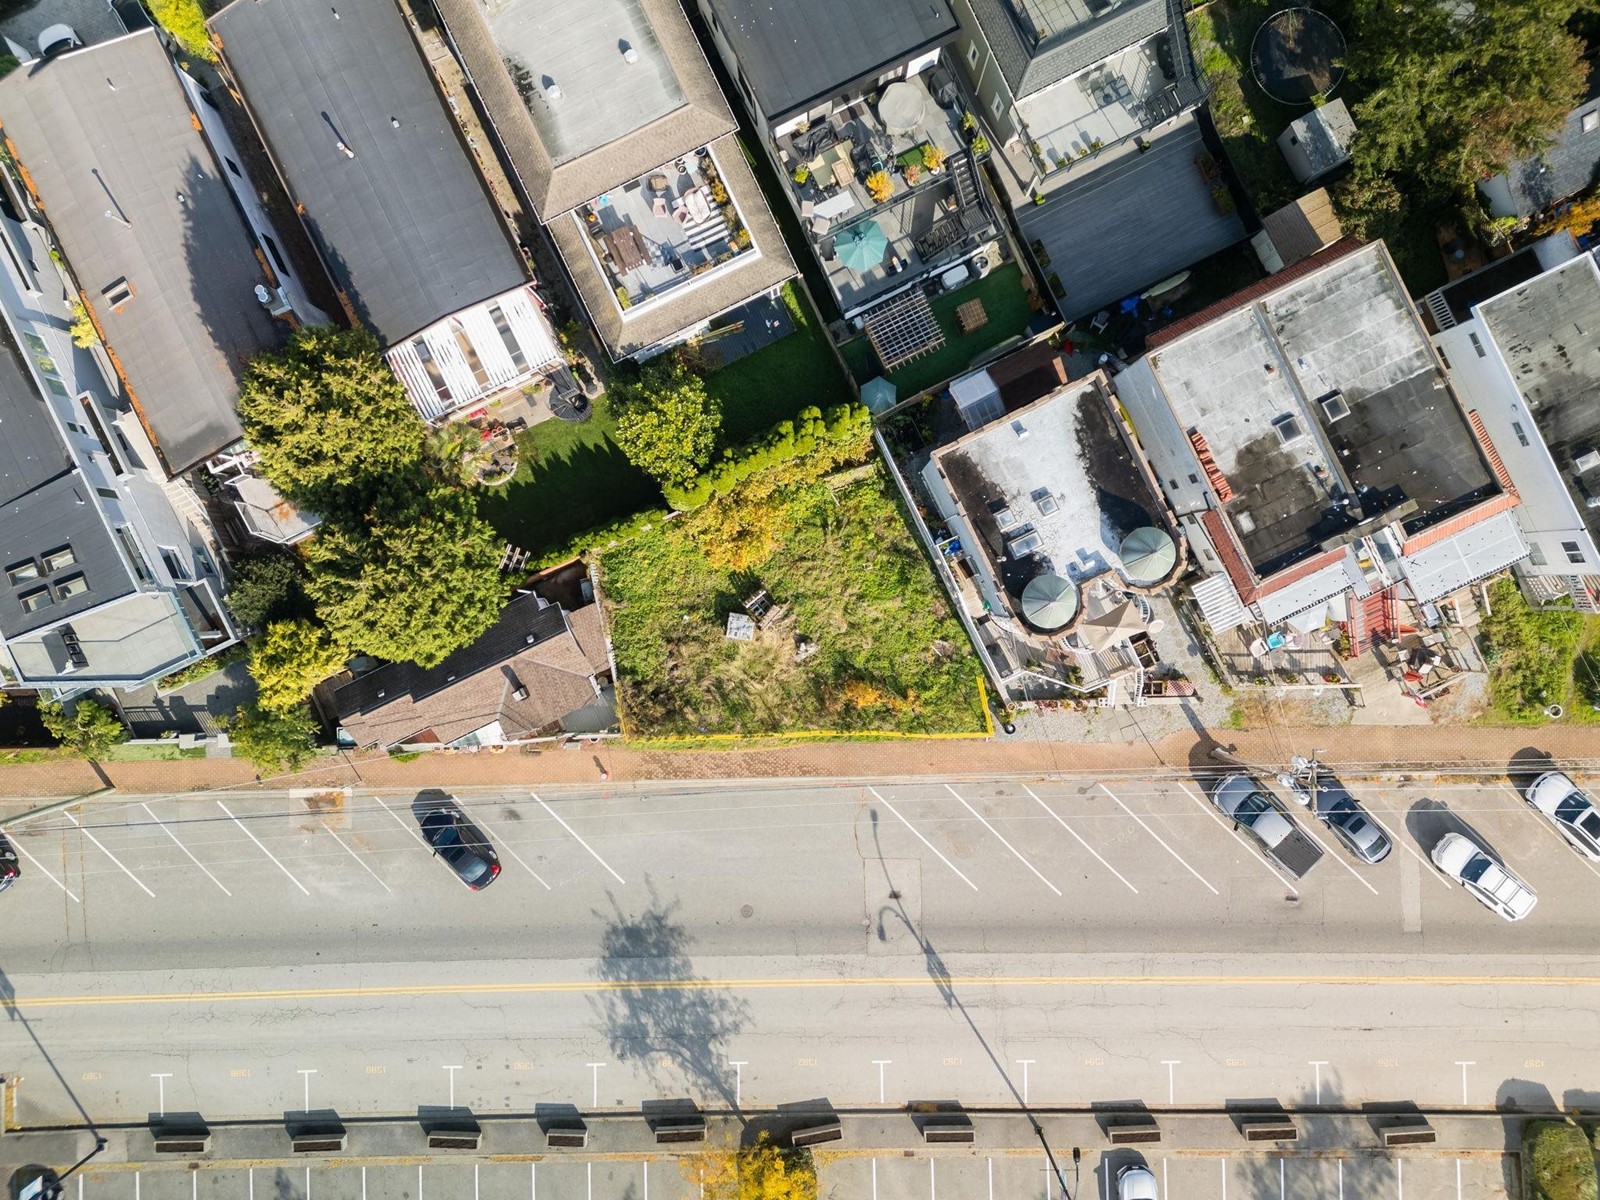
(1547, 514)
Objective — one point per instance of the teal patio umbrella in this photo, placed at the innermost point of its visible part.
(861, 247)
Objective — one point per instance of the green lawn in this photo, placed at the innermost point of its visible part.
(773, 384)
(890, 656)
(1559, 1159)
(1538, 657)
(1004, 299)
(570, 477)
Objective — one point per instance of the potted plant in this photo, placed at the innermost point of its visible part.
(879, 186)
(969, 124)
(932, 158)
(980, 145)
(912, 173)
(801, 174)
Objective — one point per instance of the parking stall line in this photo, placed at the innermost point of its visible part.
(348, 850)
(922, 839)
(1159, 839)
(421, 841)
(110, 855)
(1210, 810)
(1406, 846)
(1550, 827)
(163, 826)
(43, 870)
(579, 840)
(1338, 858)
(1080, 840)
(246, 831)
(1001, 838)
(504, 842)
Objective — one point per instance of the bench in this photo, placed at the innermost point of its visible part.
(680, 1129)
(183, 1143)
(811, 1135)
(1416, 1132)
(319, 1142)
(947, 1129)
(455, 1139)
(573, 1136)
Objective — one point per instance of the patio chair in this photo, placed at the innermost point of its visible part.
(819, 227)
(806, 209)
(1101, 320)
(658, 206)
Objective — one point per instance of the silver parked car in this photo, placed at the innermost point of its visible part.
(1569, 809)
(1136, 1182)
(1493, 884)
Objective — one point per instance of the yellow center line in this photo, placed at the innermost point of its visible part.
(803, 984)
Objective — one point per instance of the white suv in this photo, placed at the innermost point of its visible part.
(1496, 888)
(1573, 813)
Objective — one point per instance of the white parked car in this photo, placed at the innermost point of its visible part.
(1135, 1182)
(1459, 857)
(1572, 812)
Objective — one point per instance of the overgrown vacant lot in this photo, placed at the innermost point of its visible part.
(890, 654)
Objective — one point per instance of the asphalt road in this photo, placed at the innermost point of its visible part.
(1060, 942)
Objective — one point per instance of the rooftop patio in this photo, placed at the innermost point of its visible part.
(664, 229)
(1126, 94)
(1042, 21)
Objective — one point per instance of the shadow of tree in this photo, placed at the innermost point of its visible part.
(657, 1010)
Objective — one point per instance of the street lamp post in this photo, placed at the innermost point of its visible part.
(43, 1183)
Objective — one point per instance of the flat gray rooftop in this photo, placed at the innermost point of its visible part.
(578, 46)
(1346, 327)
(402, 222)
(1130, 222)
(139, 205)
(1544, 330)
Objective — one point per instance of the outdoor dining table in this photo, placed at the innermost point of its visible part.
(627, 248)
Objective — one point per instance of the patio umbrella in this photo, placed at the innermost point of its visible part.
(1148, 555)
(1109, 628)
(861, 247)
(1049, 602)
(878, 394)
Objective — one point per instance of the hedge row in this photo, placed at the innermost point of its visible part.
(842, 434)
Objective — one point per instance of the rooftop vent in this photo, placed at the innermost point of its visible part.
(1018, 428)
(118, 292)
(552, 92)
(1334, 406)
(1245, 522)
(1288, 428)
(629, 54)
(1588, 460)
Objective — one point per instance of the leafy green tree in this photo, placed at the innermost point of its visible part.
(328, 418)
(667, 424)
(1454, 92)
(269, 587)
(90, 729)
(273, 739)
(417, 579)
(289, 659)
(185, 20)
(761, 1171)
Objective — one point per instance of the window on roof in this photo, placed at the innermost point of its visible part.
(1522, 437)
(22, 572)
(1477, 345)
(503, 328)
(1573, 551)
(996, 105)
(1288, 428)
(233, 166)
(277, 255)
(57, 388)
(72, 585)
(1535, 554)
(1591, 120)
(118, 292)
(35, 600)
(57, 559)
(130, 547)
(972, 53)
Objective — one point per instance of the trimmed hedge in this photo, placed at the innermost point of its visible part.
(1558, 1162)
(842, 434)
(602, 537)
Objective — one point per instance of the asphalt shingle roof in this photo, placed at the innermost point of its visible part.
(402, 221)
(793, 55)
(134, 196)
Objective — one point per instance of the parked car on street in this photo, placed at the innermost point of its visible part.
(462, 845)
(1250, 805)
(1136, 1182)
(1495, 887)
(10, 869)
(1569, 809)
(1316, 789)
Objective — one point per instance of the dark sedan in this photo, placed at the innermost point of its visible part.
(462, 845)
(9, 867)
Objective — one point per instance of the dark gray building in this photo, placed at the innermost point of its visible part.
(144, 217)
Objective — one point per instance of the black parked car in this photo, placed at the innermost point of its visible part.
(9, 868)
(461, 844)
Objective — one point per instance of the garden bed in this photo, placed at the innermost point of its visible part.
(890, 656)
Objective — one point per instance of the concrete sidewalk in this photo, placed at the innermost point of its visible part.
(1353, 750)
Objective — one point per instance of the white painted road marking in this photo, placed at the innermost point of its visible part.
(110, 855)
(23, 850)
(1338, 858)
(422, 841)
(1159, 838)
(580, 841)
(262, 848)
(922, 839)
(1081, 842)
(1211, 810)
(359, 859)
(1002, 840)
(479, 821)
(184, 848)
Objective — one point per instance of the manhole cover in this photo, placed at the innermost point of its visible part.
(746, 910)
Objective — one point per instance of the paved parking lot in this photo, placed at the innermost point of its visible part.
(1054, 941)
